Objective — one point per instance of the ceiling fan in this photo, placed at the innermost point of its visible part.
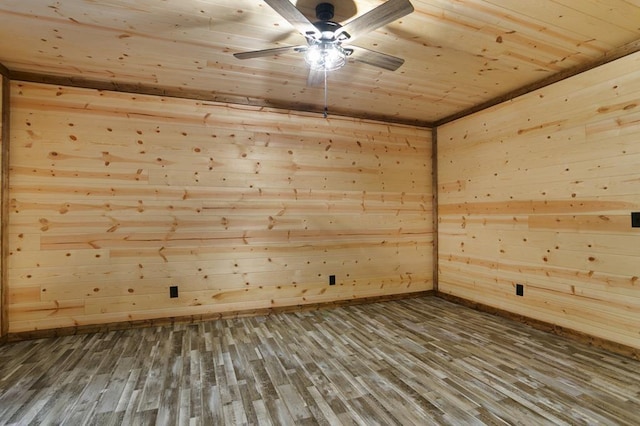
(328, 42)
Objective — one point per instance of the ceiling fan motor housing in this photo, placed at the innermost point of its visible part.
(327, 29)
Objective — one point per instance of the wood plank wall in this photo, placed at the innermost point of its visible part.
(539, 191)
(116, 197)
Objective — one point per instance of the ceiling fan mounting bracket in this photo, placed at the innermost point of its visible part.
(324, 11)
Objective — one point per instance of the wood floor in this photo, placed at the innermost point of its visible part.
(414, 361)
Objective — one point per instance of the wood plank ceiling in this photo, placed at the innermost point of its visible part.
(459, 54)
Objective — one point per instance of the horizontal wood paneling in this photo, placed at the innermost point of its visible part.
(116, 197)
(539, 191)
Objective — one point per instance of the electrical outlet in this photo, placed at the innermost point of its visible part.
(635, 219)
(173, 291)
(332, 280)
(519, 290)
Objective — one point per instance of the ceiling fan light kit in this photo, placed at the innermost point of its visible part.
(324, 50)
(326, 57)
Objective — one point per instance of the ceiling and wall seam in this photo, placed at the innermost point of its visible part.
(202, 95)
(621, 52)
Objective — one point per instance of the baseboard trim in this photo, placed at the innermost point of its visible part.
(190, 319)
(598, 342)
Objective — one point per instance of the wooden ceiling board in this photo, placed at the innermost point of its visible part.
(458, 54)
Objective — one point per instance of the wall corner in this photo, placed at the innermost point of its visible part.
(4, 199)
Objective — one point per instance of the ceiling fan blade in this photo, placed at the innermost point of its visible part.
(377, 59)
(382, 15)
(288, 11)
(315, 78)
(267, 52)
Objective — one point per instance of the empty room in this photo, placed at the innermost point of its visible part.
(281, 212)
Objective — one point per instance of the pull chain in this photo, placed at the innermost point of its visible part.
(326, 108)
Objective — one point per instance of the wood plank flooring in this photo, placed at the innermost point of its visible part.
(414, 361)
